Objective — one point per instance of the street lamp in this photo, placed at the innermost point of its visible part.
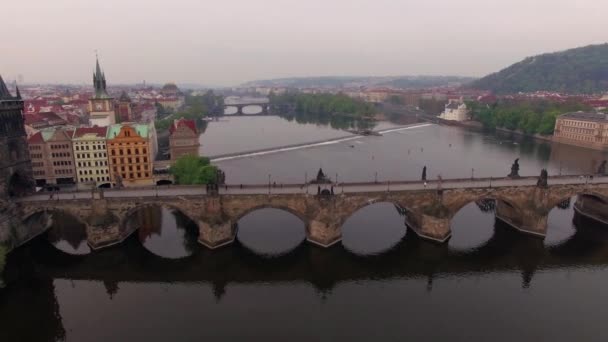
(269, 183)
(472, 173)
(376, 177)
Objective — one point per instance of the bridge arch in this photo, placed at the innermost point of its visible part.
(458, 205)
(356, 226)
(556, 200)
(172, 237)
(41, 221)
(276, 232)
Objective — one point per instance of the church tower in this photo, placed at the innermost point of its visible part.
(101, 106)
(15, 166)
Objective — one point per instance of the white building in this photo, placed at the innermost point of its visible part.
(455, 110)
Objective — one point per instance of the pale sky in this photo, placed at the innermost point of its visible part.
(227, 42)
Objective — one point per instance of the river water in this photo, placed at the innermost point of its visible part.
(381, 283)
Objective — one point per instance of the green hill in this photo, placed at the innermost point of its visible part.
(580, 70)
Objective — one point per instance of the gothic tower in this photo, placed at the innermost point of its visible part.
(101, 106)
(15, 166)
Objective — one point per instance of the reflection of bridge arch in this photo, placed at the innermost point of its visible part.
(240, 107)
(41, 221)
(133, 212)
(382, 245)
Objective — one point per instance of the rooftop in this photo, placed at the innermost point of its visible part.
(114, 130)
(585, 116)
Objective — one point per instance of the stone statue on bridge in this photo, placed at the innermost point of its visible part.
(602, 169)
(515, 169)
(542, 180)
(321, 178)
(424, 173)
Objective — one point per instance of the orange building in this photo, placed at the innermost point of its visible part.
(130, 153)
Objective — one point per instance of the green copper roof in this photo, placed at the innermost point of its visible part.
(142, 129)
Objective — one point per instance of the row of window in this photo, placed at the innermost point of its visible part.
(59, 147)
(36, 155)
(121, 151)
(39, 173)
(135, 175)
(578, 130)
(90, 172)
(38, 164)
(129, 160)
(579, 123)
(61, 155)
(85, 147)
(62, 163)
(35, 147)
(64, 172)
(132, 168)
(91, 164)
(93, 179)
(88, 155)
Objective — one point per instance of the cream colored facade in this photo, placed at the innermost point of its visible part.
(582, 129)
(91, 156)
(455, 110)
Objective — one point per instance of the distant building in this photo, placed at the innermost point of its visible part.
(183, 138)
(101, 107)
(130, 154)
(582, 129)
(170, 90)
(91, 156)
(38, 121)
(124, 108)
(15, 165)
(455, 110)
(52, 156)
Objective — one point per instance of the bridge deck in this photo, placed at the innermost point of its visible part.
(339, 188)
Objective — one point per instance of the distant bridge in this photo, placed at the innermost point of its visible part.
(264, 104)
(111, 216)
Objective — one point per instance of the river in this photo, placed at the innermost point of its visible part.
(381, 283)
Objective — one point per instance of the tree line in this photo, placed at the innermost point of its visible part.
(528, 116)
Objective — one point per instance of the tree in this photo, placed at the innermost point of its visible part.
(190, 169)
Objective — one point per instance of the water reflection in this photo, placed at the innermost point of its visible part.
(166, 232)
(270, 232)
(471, 226)
(560, 224)
(374, 229)
(67, 234)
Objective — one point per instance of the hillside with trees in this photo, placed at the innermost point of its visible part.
(582, 70)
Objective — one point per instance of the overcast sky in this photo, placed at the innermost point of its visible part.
(227, 42)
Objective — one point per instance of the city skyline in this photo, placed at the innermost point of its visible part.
(231, 43)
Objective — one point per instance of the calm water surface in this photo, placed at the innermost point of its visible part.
(380, 283)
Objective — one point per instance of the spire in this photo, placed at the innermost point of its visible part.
(18, 92)
(4, 93)
(99, 81)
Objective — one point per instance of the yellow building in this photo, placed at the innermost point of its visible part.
(582, 129)
(91, 156)
(130, 154)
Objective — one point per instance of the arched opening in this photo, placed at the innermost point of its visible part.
(270, 232)
(230, 110)
(164, 182)
(473, 225)
(570, 213)
(252, 110)
(164, 231)
(18, 185)
(64, 231)
(374, 229)
(105, 186)
(560, 224)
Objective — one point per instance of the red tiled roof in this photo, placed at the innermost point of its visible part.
(183, 122)
(36, 139)
(99, 131)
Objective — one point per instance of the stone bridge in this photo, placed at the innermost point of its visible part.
(428, 212)
(266, 108)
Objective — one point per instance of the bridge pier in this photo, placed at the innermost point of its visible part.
(593, 208)
(216, 235)
(324, 234)
(432, 228)
(528, 221)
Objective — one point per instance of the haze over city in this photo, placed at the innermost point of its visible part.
(231, 42)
